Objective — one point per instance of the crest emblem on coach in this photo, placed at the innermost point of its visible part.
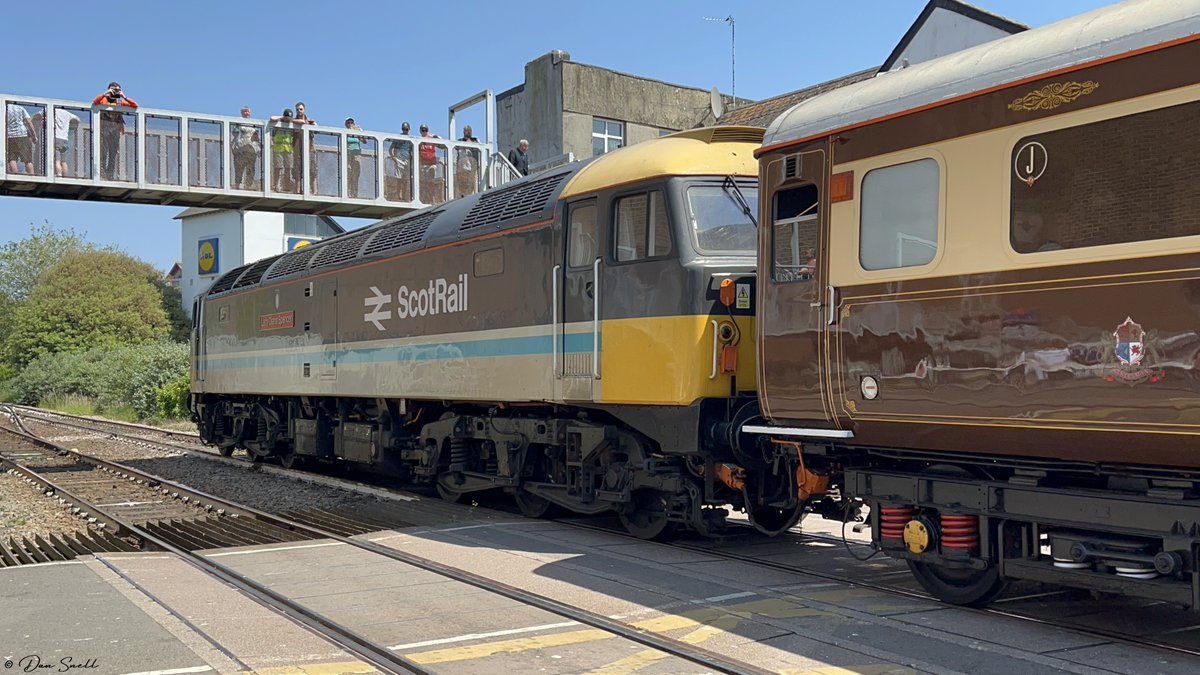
(1130, 348)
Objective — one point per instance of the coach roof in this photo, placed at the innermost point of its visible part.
(713, 151)
(1089, 37)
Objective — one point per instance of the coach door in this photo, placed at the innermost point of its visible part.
(798, 306)
(577, 327)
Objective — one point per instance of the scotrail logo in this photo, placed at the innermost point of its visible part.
(441, 296)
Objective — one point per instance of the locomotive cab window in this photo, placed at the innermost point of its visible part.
(641, 228)
(581, 235)
(1114, 181)
(718, 221)
(794, 233)
(898, 226)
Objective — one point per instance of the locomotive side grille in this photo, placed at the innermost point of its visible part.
(522, 200)
(226, 282)
(400, 233)
(340, 250)
(292, 262)
(255, 273)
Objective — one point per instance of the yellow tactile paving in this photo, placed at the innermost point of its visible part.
(344, 668)
(707, 622)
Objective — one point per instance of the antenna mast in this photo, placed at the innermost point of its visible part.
(732, 50)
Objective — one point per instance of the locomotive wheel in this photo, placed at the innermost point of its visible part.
(447, 494)
(226, 450)
(645, 516)
(290, 460)
(968, 587)
(533, 506)
(772, 521)
(254, 456)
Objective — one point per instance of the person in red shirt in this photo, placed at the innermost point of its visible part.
(112, 127)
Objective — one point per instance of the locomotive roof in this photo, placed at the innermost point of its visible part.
(528, 200)
(1088, 37)
(684, 151)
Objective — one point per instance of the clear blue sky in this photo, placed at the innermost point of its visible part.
(384, 62)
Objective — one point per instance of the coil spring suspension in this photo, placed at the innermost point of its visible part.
(458, 453)
(960, 533)
(892, 520)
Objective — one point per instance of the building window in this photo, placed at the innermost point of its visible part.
(642, 230)
(1115, 181)
(607, 135)
(899, 223)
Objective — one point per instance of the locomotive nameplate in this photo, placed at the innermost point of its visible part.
(277, 321)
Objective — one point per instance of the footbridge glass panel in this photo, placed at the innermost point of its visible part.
(74, 150)
(162, 150)
(206, 155)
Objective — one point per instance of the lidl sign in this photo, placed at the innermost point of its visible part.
(209, 256)
(294, 243)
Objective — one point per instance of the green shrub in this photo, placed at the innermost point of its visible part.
(173, 399)
(121, 380)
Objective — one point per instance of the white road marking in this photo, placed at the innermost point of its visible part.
(272, 550)
(479, 636)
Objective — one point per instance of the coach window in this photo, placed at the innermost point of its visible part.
(642, 230)
(581, 235)
(1115, 181)
(898, 226)
(794, 234)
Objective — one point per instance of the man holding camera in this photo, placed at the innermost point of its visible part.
(112, 127)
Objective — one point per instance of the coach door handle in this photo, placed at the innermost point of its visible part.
(589, 289)
(832, 303)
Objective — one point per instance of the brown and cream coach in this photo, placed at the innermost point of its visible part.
(979, 304)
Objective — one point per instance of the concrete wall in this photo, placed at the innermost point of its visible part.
(629, 98)
(555, 106)
(534, 111)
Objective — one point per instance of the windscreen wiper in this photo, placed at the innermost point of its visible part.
(735, 193)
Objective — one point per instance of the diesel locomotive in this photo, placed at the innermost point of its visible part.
(979, 305)
(582, 339)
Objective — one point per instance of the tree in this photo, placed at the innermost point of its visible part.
(22, 262)
(90, 298)
(179, 326)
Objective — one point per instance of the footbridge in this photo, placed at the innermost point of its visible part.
(75, 150)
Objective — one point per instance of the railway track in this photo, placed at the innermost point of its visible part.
(375, 654)
(882, 574)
